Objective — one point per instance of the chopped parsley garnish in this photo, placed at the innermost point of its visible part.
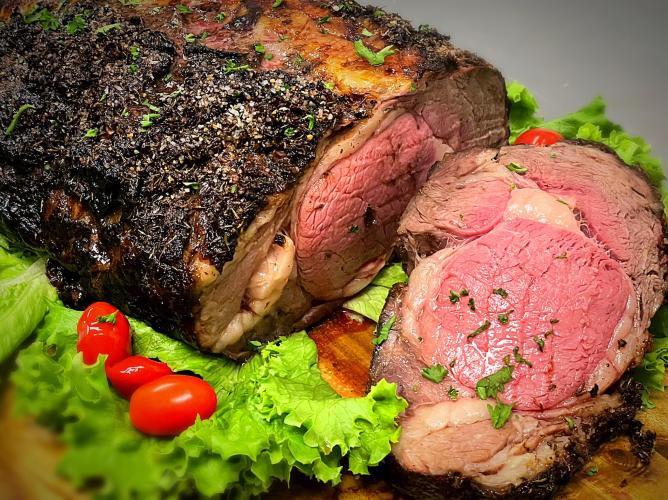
(373, 58)
(479, 330)
(424, 28)
(367, 33)
(147, 119)
(234, 188)
(194, 185)
(343, 7)
(471, 304)
(435, 373)
(593, 471)
(289, 132)
(103, 30)
(150, 106)
(109, 318)
(454, 297)
(183, 9)
(504, 317)
(491, 385)
(384, 332)
(134, 52)
(354, 229)
(91, 132)
(133, 68)
(519, 359)
(277, 3)
(324, 20)
(15, 119)
(540, 343)
(176, 93)
(233, 67)
(329, 85)
(500, 414)
(570, 422)
(299, 60)
(500, 292)
(378, 13)
(44, 18)
(76, 25)
(464, 293)
(190, 38)
(517, 168)
(259, 48)
(453, 393)
(220, 17)
(311, 121)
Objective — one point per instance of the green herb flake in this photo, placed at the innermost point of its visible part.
(354, 229)
(103, 30)
(454, 297)
(192, 185)
(232, 67)
(500, 292)
(324, 20)
(259, 48)
(133, 68)
(471, 304)
(453, 393)
(76, 25)
(378, 13)
(15, 119)
(517, 168)
(150, 106)
(570, 422)
(329, 85)
(311, 121)
(109, 318)
(44, 18)
(147, 119)
(384, 332)
(367, 33)
(504, 318)
(276, 4)
(373, 58)
(424, 28)
(519, 359)
(289, 132)
(540, 343)
(478, 330)
(435, 373)
(464, 292)
(299, 60)
(491, 385)
(500, 413)
(220, 17)
(134, 52)
(183, 9)
(593, 471)
(190, 38)
(91, 132)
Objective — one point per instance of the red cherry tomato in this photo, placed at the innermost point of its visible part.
(131, 373)
(539, 137)
(103, 329)
(169, 405)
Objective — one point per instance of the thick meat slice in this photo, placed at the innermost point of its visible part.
(513, 280)
(176, 161)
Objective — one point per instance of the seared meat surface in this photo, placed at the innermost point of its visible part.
(174, 160)
(536, 271)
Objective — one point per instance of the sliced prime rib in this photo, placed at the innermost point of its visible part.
(219, 169)
(536, 271)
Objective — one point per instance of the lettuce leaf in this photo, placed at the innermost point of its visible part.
(587, 123)
(25, 293)
(275, 415)
(370, 301)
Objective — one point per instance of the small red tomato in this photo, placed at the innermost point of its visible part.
(103, 329)
(539, 137)
(131, 373)
(169, 405)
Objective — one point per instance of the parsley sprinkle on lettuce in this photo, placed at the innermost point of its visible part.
(373, 58)
(370, 301)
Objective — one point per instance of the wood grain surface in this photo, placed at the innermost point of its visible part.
(29, 454)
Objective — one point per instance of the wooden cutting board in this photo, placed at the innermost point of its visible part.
(29, 453)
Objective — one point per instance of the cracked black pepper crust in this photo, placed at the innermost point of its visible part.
(183, 151)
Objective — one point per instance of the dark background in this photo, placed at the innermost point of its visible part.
(568, 51)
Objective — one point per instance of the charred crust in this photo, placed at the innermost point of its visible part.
(584, 442)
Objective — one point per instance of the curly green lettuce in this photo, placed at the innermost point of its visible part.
(370, 301)
(275, 415)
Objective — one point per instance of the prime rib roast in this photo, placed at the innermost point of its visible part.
(224, 170)
(536, 271)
